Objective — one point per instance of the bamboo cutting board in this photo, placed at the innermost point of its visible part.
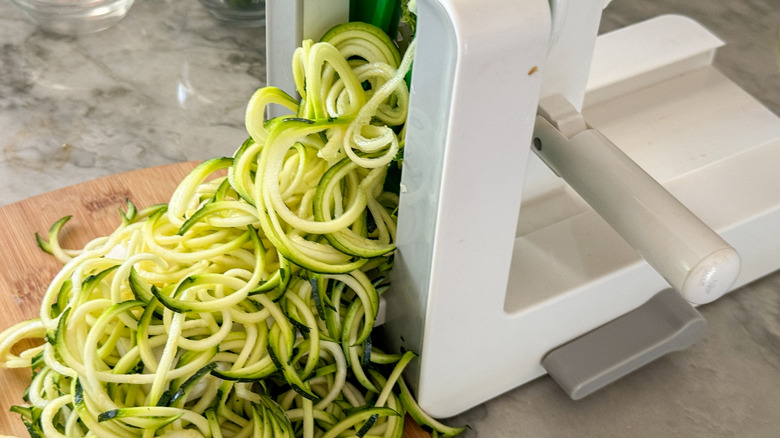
(25, 271)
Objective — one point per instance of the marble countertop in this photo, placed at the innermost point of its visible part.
(166, 84)
(169, 84)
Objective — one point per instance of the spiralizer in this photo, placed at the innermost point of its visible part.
(567, 199)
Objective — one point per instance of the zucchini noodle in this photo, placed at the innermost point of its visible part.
(244, 306)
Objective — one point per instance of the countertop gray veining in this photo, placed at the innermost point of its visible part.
(166, 84)
(169, 84)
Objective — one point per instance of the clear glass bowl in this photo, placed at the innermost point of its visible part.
(73, 17)
(237, 12)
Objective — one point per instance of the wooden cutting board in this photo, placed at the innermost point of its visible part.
(25, 271)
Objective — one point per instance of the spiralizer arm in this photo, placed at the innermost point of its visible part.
(694, 259)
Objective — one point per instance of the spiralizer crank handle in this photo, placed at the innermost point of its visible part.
(692, 257)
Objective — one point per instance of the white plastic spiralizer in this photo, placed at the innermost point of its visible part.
(567, 198)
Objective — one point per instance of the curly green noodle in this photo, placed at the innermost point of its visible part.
(245, 306)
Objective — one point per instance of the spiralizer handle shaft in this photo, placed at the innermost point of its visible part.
(692, 257)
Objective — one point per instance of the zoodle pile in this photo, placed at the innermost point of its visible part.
(245, 306)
